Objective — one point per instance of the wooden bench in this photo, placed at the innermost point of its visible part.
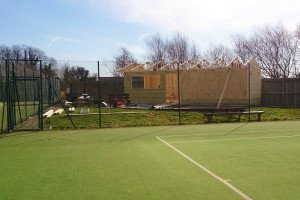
(209, 115)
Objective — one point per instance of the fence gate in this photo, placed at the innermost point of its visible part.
(23, 96)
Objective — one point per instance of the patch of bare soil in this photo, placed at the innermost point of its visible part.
(32, 122)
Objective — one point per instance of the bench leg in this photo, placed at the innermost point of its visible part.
(258, 117)
(209, 118)
(239, 118)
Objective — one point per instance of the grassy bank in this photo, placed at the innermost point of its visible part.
(125, 118)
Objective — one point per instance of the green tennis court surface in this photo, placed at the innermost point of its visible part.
(257, 160)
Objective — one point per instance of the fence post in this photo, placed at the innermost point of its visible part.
(179, 99)
(249, 93)
(283, 93)
(40, 112)
(34, 86)
(99, 96)
(25, 92)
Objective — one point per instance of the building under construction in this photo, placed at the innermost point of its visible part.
(202, 84)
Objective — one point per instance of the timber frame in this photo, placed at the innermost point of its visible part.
(203, 83)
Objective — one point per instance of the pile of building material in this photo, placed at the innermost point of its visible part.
(48, 114)
(59, 111)
(51, 112)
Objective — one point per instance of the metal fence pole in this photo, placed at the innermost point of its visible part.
(40, 112)
(249, 93)
(99, 96)
(13, 94)
(179, 99)
(34, 86)
(25, 93)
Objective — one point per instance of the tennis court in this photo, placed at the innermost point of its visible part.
(213, 161)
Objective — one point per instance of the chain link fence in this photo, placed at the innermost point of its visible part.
(89, 95)
(26, 92)
(157, 94)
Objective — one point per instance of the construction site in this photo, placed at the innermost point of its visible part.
(207, 84)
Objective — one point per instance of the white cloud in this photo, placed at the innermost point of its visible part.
(205, 20)
(202, 15)
(137, 50)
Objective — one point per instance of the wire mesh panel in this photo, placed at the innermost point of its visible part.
(3, 113)
(18, 95)
(26, 92)
(78, 107)
(155, 93)
(94, 94)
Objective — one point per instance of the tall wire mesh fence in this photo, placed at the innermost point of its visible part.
(26, 92)
(158, 94)
(138, 95)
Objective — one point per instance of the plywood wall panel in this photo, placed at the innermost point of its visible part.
(171, 87)
(199, 87)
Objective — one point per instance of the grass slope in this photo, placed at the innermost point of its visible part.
(158, 118)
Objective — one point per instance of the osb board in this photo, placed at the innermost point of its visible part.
(151, 81)
(171, 87)
(203, 86)
(255, 83)
(146, 97)
(207, 84)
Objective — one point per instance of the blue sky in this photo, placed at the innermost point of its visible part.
(63, 29)
(94, 30)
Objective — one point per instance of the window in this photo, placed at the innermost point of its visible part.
(137, 82)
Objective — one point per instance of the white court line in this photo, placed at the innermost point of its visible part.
(232, 139)
(222, 133)
(207, 171)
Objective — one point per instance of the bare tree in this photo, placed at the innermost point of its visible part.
(5, 52)
(16, 51)
(80, 73)
(178, 48)
(30, 55)
(297, 35)
(194, 53)
(66, 76)
(241, 47)
(50, 67)
(219, 51)
(297, 32)
(121, 60)
(107, 68)
(156, 48)
(276, 49)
